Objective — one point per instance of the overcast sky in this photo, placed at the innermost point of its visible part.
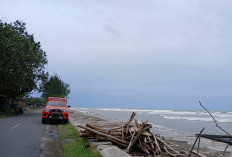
(155, 54)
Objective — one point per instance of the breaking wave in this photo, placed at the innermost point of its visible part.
(178, 115)
(199, 119)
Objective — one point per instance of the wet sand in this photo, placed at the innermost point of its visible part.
(83, 118)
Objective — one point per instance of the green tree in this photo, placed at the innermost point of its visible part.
(35, 100)
(54, 87)
(22, 60)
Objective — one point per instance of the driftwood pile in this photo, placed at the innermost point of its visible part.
(134, 137)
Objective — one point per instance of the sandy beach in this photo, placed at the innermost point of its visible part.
(178, 143)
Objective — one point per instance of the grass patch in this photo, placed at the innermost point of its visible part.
(74, 145)
(7, 113)
(11, 112)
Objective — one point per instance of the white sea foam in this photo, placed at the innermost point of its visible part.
(172, 114)
(83, 110)
(78, 109)
(193, 115)
(110, 109)
(125, 110)
(160, 127)
(206, 119)
(189, 118)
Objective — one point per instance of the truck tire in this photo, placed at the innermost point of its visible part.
(44, 121)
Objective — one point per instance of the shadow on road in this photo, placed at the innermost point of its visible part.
(55, 122)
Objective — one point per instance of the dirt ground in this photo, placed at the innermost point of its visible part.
(84, 118)
(51, 145)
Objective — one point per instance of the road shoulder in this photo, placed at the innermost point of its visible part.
(51, 146)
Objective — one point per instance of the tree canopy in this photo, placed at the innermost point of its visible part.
(22, 60)
(35, 100)
(54, 87)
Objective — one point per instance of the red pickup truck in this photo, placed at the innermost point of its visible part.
(56, 108)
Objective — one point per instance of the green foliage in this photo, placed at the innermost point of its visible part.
(54, 87)
(22, 60)
(7, 113)
(74, 145)
(35, 100)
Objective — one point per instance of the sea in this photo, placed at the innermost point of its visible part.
(175, 124)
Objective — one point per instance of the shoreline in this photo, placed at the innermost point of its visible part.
(181, 142)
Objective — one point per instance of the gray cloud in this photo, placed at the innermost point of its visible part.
(112, 30)
(145, 54)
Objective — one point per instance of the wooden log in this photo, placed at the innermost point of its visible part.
(168, 146)
(131, 134)
(171, 154)
(100, 138)
(127, 124)
(137, 123)
(128, 137)
(151, 145)
(145, 145)
(142, 148)
(88, 137)
(85, 131)
(96, 128)
(123, 132)
(146, 133)
(224, 152)
(113, 133)
(131, 117)
(119, 141)
(215, 121)
(195, 142)
(157, 145)
(136, 137)
(131, 140)
(121, 144)
(145, 139)
(88, 134)
(127, 129)
(119, 137)
(195, 152)
(134, 127)
(116, 128)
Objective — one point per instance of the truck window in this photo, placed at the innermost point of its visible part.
(56, 103)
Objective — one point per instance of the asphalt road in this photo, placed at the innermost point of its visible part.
(25, 136)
